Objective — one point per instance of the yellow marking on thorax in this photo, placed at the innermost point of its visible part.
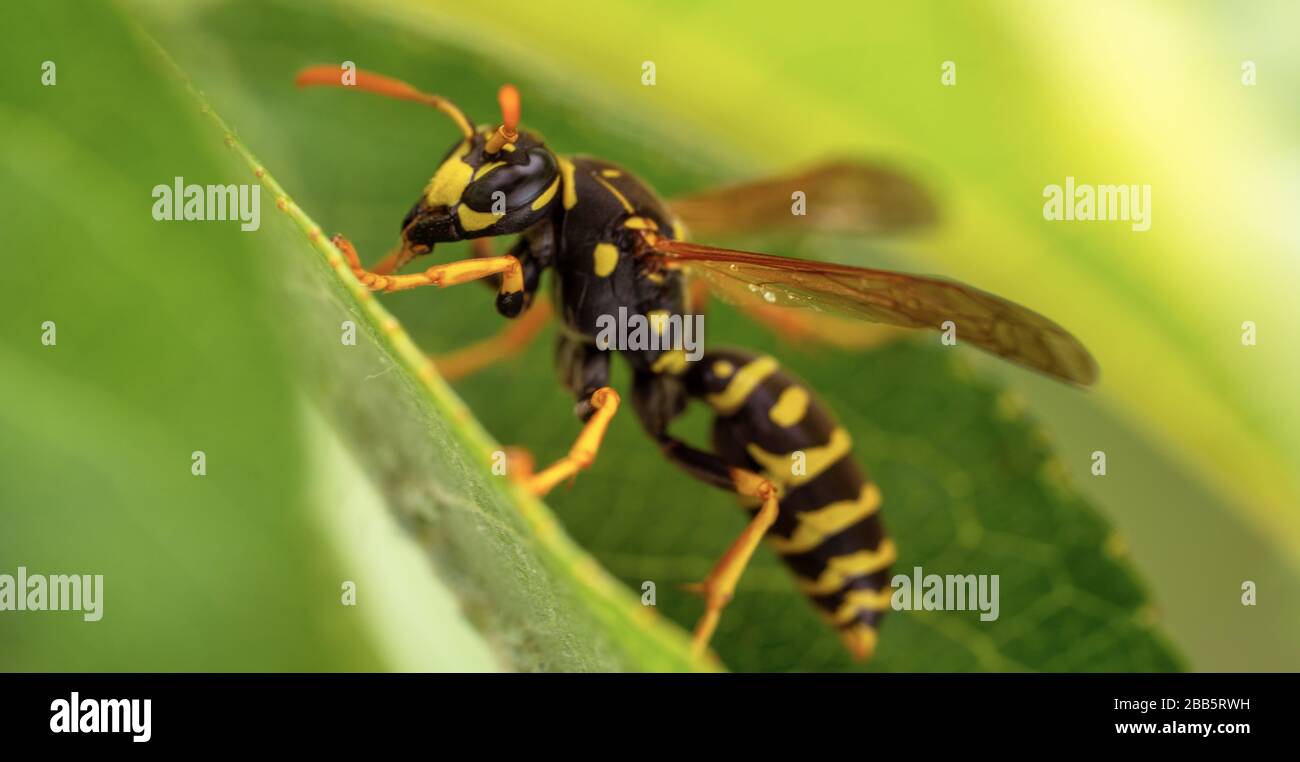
(448, 183)
(723, 369)
(621, 198)
(658, 320)
(730, 399)
(611, 173)
(604, 258)
(672, 362)
(815, 526)
(570, 188)
(508, 147)
(472, 220)
(840, 569)
(483, 170)
(640, 223)
(547, 194)
(790, 407)
(816, 459)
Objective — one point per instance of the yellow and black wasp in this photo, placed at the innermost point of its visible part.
(612, 243)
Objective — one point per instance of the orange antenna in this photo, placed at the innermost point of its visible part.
(332, 76)
(508, 97)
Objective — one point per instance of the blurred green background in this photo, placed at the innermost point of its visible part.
(178, 337)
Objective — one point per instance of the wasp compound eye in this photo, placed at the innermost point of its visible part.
(517, 184)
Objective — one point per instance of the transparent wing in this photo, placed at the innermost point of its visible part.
(839, 197)
(989, 322)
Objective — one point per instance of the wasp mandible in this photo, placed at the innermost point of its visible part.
(612, 243)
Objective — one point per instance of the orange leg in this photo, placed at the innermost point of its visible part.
(605, 400)
(402, 255)
(473, 358)
(450, 274)
(719, 587)
(519, 464)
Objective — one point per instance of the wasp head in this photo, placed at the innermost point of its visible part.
(478, 191)
(495, 181)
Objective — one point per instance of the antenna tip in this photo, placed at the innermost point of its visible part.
(508, 97)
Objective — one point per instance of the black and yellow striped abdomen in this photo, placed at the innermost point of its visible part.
(828, 530)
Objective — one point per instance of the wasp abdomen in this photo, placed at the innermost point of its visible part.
(828, 530)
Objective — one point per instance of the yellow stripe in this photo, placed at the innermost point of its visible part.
(856, 601)
(483, 170)
(472, 220)
(672, 361)
(841, 569)
(738, 389)
(547, 194)
(779, 467)
(815, 526)
(790, 407)
(570, 189)
(621, 199)
(448, 183)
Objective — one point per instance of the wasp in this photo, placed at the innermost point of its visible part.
(613, 244)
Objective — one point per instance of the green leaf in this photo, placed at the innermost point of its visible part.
(543, 602)
(160, 350)
(970, 484)
(178, 337)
